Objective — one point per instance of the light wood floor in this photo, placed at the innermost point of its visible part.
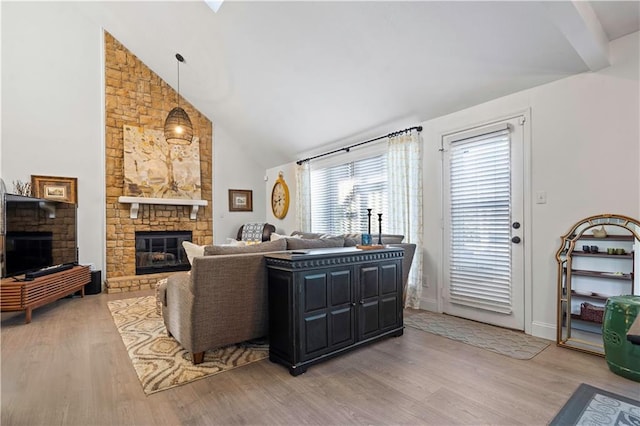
(70, 367)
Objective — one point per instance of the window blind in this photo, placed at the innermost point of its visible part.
(480, 208)
(341, 195)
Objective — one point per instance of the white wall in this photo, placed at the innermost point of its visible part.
(234, 168)
(53, 109)
(585, 146)
(584, 154)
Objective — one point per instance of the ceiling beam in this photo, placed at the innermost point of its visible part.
(580, 25)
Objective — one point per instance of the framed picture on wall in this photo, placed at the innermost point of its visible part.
(240, 200)
(55, 188)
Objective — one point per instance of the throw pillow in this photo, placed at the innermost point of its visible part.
(391, 239)
(310, 235)
(277, 245)
(192, 250)
(234, 243)
(252, 231)
(306, 243)
(275, 236)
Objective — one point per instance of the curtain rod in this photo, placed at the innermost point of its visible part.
(347, 148)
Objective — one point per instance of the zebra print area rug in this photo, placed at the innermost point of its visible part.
(514, 344)
(160, 362)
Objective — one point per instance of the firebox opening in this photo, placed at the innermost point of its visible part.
(161, 251)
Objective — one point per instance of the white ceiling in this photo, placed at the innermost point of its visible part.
(287, 78)
(618, 18)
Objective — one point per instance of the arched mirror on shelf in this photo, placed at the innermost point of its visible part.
(596, 260)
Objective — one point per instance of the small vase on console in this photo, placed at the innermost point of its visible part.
(366, 238)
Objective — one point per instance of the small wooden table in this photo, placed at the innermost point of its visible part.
(28, 295)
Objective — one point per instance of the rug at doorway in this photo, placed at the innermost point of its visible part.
(592, 406)
(159, 360)
(514, 344)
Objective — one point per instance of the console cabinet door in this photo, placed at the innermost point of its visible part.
(327, 320)
(380, 294)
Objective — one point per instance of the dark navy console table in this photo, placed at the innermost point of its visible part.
(324, 302)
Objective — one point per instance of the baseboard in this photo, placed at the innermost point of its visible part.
(543, 330)
(429, 305)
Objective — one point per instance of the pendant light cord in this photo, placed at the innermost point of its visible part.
(178, 84)
(180, 59)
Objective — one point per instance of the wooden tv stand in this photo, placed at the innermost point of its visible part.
(28, 295)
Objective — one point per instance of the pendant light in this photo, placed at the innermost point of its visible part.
(177, 127)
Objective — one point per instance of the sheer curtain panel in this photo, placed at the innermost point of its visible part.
(303, 196)
(404, 165)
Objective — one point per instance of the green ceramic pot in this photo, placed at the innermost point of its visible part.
(623, 357)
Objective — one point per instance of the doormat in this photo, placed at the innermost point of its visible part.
(592, 406)
(159, 360)
(514, 344)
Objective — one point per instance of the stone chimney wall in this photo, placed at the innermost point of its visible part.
(136, 96)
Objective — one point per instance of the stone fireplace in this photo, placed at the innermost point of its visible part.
(136, 96)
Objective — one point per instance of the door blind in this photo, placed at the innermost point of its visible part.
(480, 206)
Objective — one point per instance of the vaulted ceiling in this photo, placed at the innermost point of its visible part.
(287, 78)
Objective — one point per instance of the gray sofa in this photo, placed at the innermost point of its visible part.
(223, 299)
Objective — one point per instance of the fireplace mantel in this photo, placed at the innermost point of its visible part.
(136, 201)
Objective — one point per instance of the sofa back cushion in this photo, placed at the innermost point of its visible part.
(277, 245)
(305, 243)
(350, 240)
(228, 300)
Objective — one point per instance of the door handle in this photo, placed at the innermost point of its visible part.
(516, 240)
(516, 225)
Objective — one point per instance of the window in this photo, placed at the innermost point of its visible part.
(342, 193)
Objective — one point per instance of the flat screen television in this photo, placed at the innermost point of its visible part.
(36, 233)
